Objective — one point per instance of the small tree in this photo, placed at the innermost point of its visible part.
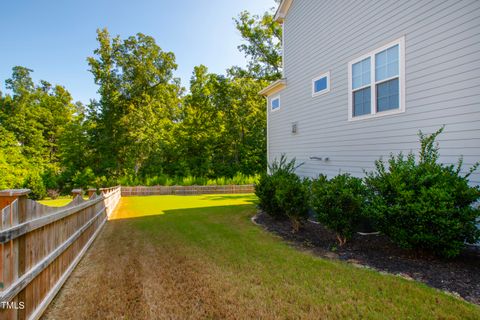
(339, 204)
(424, 205)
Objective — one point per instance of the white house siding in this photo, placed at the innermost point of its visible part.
(442, 59)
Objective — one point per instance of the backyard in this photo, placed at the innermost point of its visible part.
(187, 257)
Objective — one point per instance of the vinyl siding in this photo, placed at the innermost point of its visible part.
(442, 82)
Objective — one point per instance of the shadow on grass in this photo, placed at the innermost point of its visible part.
(251, 198)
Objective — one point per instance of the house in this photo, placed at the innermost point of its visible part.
(361, 78)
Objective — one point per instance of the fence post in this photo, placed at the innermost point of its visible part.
(91, 191)
(6, 198)
(77, 192)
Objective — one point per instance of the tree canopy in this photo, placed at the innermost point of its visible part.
(144, 123)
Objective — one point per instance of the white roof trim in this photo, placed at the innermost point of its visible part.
(282, 10)
(274, 88)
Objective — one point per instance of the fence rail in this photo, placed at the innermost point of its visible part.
(185, 190)
(40, 246)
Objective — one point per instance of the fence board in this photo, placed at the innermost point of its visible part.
(41, 245)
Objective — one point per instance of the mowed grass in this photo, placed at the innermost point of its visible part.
(201, 257)
(58, 202)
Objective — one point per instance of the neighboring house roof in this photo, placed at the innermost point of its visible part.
(274, 87)
(282, 10)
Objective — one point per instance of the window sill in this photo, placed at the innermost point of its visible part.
(320, 93)
(376, 115)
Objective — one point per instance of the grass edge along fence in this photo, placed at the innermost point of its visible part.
(185, 190)
(41, 245)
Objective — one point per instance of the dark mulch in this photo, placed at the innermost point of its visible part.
(460, 275)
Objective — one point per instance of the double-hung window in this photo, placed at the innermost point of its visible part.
(376, 82)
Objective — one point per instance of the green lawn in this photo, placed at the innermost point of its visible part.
(58, 202)
(202, 257)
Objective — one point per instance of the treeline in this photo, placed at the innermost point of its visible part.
(145, 124)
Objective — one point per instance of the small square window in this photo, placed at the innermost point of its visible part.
(321, 84)
(275, 103)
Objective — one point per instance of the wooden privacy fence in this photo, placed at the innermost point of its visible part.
(185, 190)
(40, 246)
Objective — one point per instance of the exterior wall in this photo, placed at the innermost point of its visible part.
(442, 49)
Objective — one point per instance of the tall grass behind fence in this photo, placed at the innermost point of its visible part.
(185, 190)
(40, 246)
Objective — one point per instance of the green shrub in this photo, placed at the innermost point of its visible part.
(424, 205)
(282, 194)
(292, 195)
(265, 191)
(339, 204)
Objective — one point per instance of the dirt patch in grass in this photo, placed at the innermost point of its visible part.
(127, 274)
(460, 276)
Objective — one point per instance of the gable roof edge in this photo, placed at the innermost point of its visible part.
(273, 88)
(282, 10)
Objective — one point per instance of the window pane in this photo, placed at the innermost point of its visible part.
(320, 84)
(387, 95)
(392, 53)
(361, 73)
(275, 103)
(386, 63)
(361, 102)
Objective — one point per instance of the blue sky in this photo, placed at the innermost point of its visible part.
(54, 37)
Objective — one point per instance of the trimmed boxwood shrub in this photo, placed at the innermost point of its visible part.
(424, 204)
(292, 196)
(282, 194)
(339, 204)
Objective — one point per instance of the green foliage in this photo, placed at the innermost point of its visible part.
(424, 204)
(143, 129)
(339, 203)
(221, 130)
(35, 183)
(165, 180)
(139, 103)
(292, 195)
(84, 179)
(263, 45)
(282, 193)
(33, 120)
(14, 167)
(268, 184)
(265, 190)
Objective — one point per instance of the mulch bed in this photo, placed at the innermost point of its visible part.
(460, 276)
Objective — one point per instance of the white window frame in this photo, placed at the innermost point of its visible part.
(279, 103)
(373, 83)
(326, 90)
